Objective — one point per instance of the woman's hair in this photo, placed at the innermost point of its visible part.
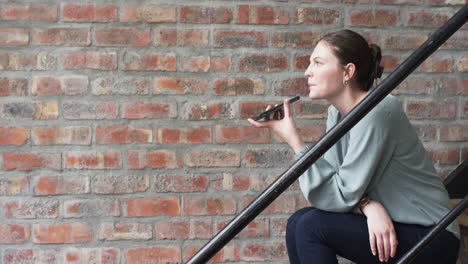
(350, 47)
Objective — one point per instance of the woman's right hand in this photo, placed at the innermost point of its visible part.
(282, 124)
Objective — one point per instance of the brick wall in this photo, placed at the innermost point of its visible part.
(123, 132)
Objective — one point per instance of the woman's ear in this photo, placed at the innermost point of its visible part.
(349, 71)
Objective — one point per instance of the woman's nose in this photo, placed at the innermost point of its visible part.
(308, 71)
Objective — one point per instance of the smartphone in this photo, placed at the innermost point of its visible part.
(274, 109)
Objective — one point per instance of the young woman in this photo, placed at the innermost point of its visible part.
(375, 193)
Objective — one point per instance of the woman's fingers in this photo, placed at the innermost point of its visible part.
(372, 243)
(287, 108)
(386, 242)
(393, 243)
(380, 247)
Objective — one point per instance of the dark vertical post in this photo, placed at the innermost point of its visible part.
(330, 138)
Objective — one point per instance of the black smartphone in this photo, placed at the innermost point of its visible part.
(274, 109)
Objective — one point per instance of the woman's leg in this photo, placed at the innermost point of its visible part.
(291, 234)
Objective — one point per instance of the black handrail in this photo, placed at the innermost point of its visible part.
(330, 138)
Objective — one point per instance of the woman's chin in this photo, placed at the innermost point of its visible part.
(313, 95)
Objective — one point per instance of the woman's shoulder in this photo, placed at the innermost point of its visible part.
(388, 111)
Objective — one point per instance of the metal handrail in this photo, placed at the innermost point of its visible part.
(330, 138)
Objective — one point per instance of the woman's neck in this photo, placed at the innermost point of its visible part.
(347, 100)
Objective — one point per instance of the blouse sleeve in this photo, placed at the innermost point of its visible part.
(338, 189)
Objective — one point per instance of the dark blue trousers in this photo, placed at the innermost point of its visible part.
(316, 236)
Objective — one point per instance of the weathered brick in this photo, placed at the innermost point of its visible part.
(297, 39)
(213, 158)
(27, 60)
(426, 132)
(308, 132)
(91, 255)
(57, 185)
(311, 109)
(301, 62)
(123, 134)
(140, 207)
(14, 36)
(31, 208)
(207, 111)
(291, 86)
(61, 136)
(13, 135)
(278, 227)
(226, 38)
(28, 11)
(13, 86)
(431, 110)
(95, 60)
(61, 36)
(179, 85)
(29, 161)
(398, 2)
(264, 251)
(220, 64)
(205, 15)
(374, 18)
(88, 13)
(33, 110)
(14, 185)
(236, 182)
(444, 156)
(125, 85)
(122, 36)
(250, 109)
(120, 184)
(92, 160)
(427, 19)
(256, 228)
(263, 63)
(148, 13)
(125, 231)
(390, 62)
(464, 108)
(261, 14)
(267, 158)
(436, 65)
(447, 2)
(163, 159)
(180, 183)
(218, 205)
(241, 134)
(183, 229)
(315, 15)
(91, 208)
(403, 41)
(195, 64)
(452, 86)
(184, 135)
(134, 61)
(463, 64)
(51, 85)
(65, 233)
(141, 109)
(181, 37)
(89, 110)
(14, 233)
(136, 159)
(228, 253)
(454, 133)
(238, 86)
(416, 86)
(153, 255)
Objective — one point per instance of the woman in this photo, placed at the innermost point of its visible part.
(375, 192)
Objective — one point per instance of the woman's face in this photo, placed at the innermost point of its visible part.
(325, 73)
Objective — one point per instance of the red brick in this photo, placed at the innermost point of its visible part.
(91, 208)
(88, 12)
(374, 18)
(464, 108)
(89, 110)
(238, 86)
(309, 109)
(263, 63)
(267, 158)
(62, 233)
(61, 136)
(126, 85)
(431, 110)
(92, 160)
(228, 253)
(205, 15)
(187, 229)
(240, 134)
(296, 39)
(56, 185)
(120, 184)
(30, 11)
(179, 85)
(256, 228)
(195, 64)
(89, 60)
(27, 60)
(456, 41)
(213, 158)
(13, 86)
(149, 13)
(292, 86)
(464, 153)
(125, 231)
(220, 64)
(261, 14)
(14, 233)
(14, 36)
(24, 209)
(309, 132)
(180, 183)
(207, 111)
(14, 185)
(29, 161)
(403, 41)
(24, 256)
(153, 255)
(250, 109)
(13, 135)
(136, 159)
(399, 2)
(235, 182)
(278, 227)
(51, 85)
(140, 109)
(163, 159)
(184, 135)
(389, 62)
(221, 205)
(236, 38)
(92, 255)
(314, 15)
(122, 36)
(123, 134)
(264, 251)
(168, 206)
(444, 156)
(301, 62)
(61, 36)
(463, 64)
(34, 110)
(426, 132)
(416, 86)
(427, 19)
(452, 86)
(436, 65)
(181, 37)
(134, 61)
(454, 133)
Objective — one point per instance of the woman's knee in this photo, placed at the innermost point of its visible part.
(311, 221)
(294, 218)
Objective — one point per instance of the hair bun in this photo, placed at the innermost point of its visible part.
(376, 56)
